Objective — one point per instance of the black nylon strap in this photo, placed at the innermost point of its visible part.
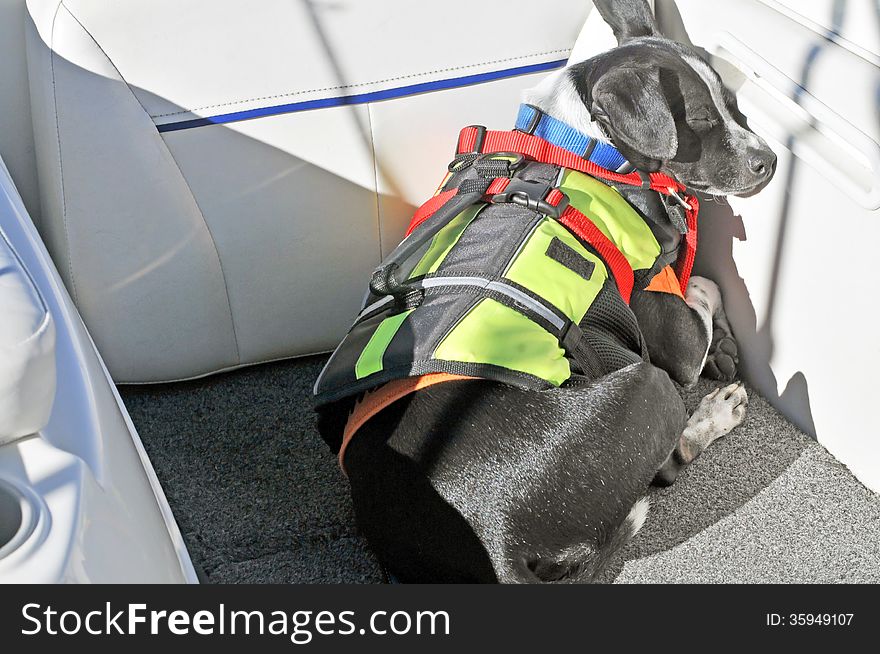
(676, 214)
(478, 185)
(481, 138)
(587, 359)
(383, 280)
(491, 168)
(462, 161)
(580, 350)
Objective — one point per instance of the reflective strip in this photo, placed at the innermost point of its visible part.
(498, 287)
(372, 307)
(324, 371)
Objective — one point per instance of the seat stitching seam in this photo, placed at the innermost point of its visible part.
(360, 84)
(73, 290)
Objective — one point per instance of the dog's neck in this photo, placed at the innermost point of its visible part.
(557, 96)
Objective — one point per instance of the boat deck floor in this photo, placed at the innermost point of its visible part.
(259, 498)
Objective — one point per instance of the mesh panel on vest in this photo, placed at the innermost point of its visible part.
(612, 330)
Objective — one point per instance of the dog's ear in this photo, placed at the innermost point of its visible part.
(628, 19)
(629, 103)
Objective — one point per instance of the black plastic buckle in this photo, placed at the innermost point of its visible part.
(531, 195)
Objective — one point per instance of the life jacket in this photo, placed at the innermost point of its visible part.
(519, 269)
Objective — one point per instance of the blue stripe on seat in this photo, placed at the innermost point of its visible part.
(362, 98)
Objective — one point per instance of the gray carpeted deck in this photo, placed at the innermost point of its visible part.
(259, 498)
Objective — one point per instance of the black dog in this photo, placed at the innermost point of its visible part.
(478, 481)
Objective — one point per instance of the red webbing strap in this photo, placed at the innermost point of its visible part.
(584, 228)
(538, 149)
(498, 185)
(686, 257)
(433, 205)
(429, 209)
(554, 197)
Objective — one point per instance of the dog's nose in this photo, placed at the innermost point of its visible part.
(762, 163)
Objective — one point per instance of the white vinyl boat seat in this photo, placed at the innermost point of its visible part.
(27, 351)
(219, 177)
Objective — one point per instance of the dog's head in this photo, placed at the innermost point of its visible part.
(667, 110)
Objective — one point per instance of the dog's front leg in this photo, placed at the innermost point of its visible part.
(717, 415)
(687, 336)
(704, 297)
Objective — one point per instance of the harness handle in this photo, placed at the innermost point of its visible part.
(443, 207)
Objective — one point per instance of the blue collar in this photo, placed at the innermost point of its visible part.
(532, 120)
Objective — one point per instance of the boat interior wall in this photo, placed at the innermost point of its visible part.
(807, 75)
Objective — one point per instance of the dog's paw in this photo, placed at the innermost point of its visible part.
(723, 358)
(718, 414)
